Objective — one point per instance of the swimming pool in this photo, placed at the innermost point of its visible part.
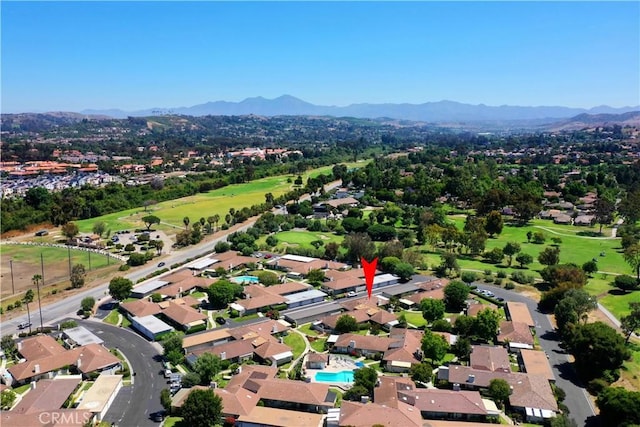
(334, 377)
(360, 364)
(245, 279)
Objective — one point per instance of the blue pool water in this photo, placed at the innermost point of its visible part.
(360, 364)
(245, 279)
(335, 377)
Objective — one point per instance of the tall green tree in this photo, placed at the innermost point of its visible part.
(432, 309)
(99, 228)
(619, 407)
(346, 323)
(511, 249)
(202, 408)
(455, 295)
(223, 292)
(28, 299)
(434, 346)
(632, 257)
(149, 220)
(120, 288)
(631, 323)
(172, 346)
(207, 366)
(500, 391)
(78, 274)
(165, 400)
(549, 256)
(486, 324)
(493, 223)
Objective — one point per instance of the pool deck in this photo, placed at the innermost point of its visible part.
(337, 363)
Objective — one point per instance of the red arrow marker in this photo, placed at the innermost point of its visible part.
(369, 273)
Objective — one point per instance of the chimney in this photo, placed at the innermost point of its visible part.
(471, 379)
(281, 340)
(36, 369)
(19, 345)
(33, 385)
(223, 355)
(78, 363)
(274, 329)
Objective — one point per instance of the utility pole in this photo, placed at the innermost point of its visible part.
(69, 256)
(13, 288)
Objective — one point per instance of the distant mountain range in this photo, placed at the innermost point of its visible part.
(434, 112)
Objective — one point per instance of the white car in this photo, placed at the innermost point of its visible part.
(351, 294)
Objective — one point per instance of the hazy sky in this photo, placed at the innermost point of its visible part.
(71, 56)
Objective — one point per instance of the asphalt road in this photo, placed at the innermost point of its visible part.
(577, 400)
(133, 404)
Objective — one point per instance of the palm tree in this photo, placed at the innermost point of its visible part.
(28, 298)
(186, 222)
(202, 220)
(159, 246)
(211, 220)
(216, 219)
(36, 281)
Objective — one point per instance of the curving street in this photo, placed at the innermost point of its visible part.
(134, 403)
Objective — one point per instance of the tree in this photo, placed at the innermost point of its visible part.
(28, 299)
(619, 407)
(549, 256)
(590, 267)
(632, 257)
(165, 399)
(355, 393)
(331, 250)
(631, 323)
(574, 306)
(202, 409)
(494, 256)
(468, 277)
(120, 288)
(149, 220)
(564, 274)
(524, 259)
(78, 274)
(223, 292)
(159, 246)
(421, 372)
(190, 379)
(136, 258)
(186, 222)
(449, 262)
(346, 323)
(315, 276)
(366, 377)
(625, 283)
(462, 348)
(455, 295)
(207, 366)
(434, 346)
(562, 420)
(432, 309)
(486, 324)
(7, 397)
(359, 245)
(70, 230)
(493, 224)
(99, 228)
(268, 278)
(511, 249)
(87, 303)
(8, 345)
(597, 348)
(604, 209)
(172, 346)
(404, 271)
(499, 390)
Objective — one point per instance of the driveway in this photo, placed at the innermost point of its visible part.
(577, 400)
(134, 403)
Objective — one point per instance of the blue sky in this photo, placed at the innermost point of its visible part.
(71, 55)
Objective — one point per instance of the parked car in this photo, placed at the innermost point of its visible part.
(162, 264)
(167, 373)
(351, 294)
(158, 416)
(221, 320)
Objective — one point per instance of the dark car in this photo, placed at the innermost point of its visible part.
(161, 264)
(221, 320)
(158, 416)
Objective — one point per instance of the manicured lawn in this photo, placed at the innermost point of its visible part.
(304, 238)
(219, 201)
(306, 329)
(125, 322)
(318, 345)
(112, 318)
(415, 318)
(448, 357)
(339, 396)
(174, 422)
(296, 342)
(21, 389)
